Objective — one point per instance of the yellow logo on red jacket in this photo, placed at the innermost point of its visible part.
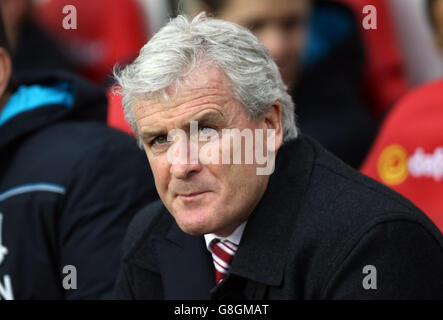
(395, 165)
(392, 165)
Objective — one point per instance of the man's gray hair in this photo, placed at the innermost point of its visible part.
(174, 51)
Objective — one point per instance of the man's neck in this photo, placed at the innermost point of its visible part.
(227, 231)
(234, 237)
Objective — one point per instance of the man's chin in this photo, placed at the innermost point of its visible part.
(193, 230)
(193, 222)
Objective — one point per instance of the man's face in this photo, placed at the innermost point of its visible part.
(203, 198)
(438, 15)
(279, 24)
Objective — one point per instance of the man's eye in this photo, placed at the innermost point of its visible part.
(160, 140)
(206, 129)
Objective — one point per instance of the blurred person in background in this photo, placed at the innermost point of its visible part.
(69, 186)
(435, 13)
(281, 25)
(317, 47)
(385, 78)
(107, 32)
(408, 152)
(31, 47)
(415, 35)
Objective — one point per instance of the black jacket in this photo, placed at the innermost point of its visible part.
(69, 187)
(317, 226)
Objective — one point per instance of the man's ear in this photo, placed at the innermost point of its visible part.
(273, 121)
(5, 70)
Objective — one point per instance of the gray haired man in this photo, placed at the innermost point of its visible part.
(309, 228)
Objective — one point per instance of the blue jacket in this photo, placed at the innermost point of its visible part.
(69, 186)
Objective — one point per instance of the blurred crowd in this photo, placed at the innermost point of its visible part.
(344, 79)
(372, 97)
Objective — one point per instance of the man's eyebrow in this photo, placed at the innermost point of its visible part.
(146, 134)
(214, 117)
(211, 117)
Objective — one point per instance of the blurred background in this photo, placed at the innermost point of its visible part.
(401, 51)
(346, 80)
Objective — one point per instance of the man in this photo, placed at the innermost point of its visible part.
(314, 229)
(69, 186)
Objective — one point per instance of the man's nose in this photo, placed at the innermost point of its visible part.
(185, 170)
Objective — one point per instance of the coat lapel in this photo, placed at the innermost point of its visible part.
(185, 264)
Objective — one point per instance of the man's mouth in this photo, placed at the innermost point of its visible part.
(191, 195)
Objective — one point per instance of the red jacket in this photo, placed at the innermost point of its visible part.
(408, 153)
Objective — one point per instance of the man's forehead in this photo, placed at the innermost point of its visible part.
(203, 86)
(184, 102)
(204, 75)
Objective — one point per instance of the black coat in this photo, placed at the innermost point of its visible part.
(69, 187)
(317, 226)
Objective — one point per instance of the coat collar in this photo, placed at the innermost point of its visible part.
(262, 253)
(185, 264)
